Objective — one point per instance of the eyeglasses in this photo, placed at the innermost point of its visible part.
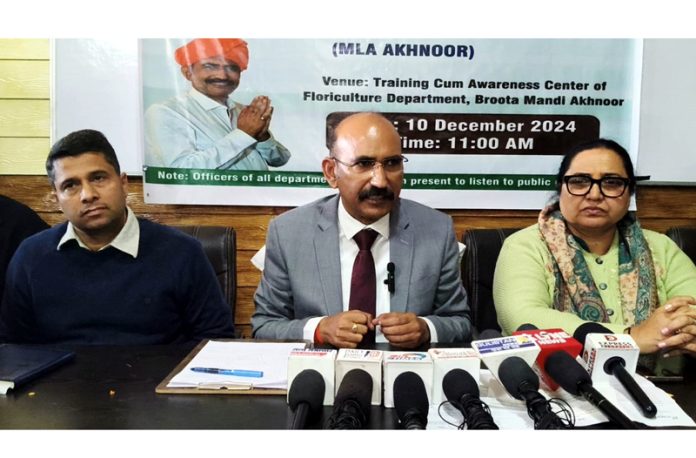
(580, 185)
(390, 165)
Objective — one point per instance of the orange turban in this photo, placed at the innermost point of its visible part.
(232, 49)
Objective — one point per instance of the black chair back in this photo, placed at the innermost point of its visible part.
(220, 246)
(685, 238)
(477, 269)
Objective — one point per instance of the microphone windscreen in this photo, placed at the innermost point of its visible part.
(513, 371)
(409, 394)
(590, 327)
(457, 383)
(490, 334)
(356, 385)
(567, 372)
(307, 387)
(527, 327)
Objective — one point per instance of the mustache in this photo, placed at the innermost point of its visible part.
(382, 193)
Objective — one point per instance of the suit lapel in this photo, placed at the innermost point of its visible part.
(401, 254)
(326, 253)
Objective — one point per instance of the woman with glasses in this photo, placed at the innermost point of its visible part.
(588, 259)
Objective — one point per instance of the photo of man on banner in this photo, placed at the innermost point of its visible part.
(204, 128)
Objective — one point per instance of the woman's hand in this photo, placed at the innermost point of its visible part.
(670, 327)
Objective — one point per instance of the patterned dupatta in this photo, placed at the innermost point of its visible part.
(575, 290)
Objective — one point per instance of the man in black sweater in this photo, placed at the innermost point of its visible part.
(17, 222)
(104, 276)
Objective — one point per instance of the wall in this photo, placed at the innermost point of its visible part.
(24, 105)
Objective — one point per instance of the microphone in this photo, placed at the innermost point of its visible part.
(576, 380)
(305, 397)
(391, 268)
(522, 383)
(615, 364)
(352, 403)
(411, 401)
(463, 393)
(549, 341)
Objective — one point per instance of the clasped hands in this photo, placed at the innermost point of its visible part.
(255, 118)
(670, 328)
(346, 329)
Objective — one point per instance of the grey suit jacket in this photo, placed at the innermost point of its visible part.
(302, 274)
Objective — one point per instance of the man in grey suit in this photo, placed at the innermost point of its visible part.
(306, 284)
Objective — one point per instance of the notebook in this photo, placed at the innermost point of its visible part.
(20, 364)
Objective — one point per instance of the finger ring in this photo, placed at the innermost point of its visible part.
(354, 327)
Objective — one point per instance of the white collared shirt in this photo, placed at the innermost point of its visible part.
(127, 240)
(348, 250)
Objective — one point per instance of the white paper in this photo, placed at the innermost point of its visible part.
(510, 413)
(269, 358)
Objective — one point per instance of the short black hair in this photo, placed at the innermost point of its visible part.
(593, 144)
(81, 142)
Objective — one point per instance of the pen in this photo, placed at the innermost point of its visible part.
(237, 372)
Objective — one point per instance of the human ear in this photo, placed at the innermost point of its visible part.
(328, 166)
(186, 71)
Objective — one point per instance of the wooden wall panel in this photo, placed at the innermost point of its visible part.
(24, 105)
(24, 118)
(23, 155)
(25, 49)
(659, 209)
(24, 79)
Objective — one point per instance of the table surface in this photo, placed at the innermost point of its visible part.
(114, 388)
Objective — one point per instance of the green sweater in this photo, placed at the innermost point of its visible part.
(523, 283)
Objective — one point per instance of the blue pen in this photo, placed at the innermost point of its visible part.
(236, 372)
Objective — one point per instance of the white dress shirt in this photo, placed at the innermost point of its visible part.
(127, 240)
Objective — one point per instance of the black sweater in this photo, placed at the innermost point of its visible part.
(168, 294)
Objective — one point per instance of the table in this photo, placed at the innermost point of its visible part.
(114, 388)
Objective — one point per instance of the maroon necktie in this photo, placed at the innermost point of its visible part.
(363, 284)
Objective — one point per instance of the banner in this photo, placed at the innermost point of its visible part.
(482, 121)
